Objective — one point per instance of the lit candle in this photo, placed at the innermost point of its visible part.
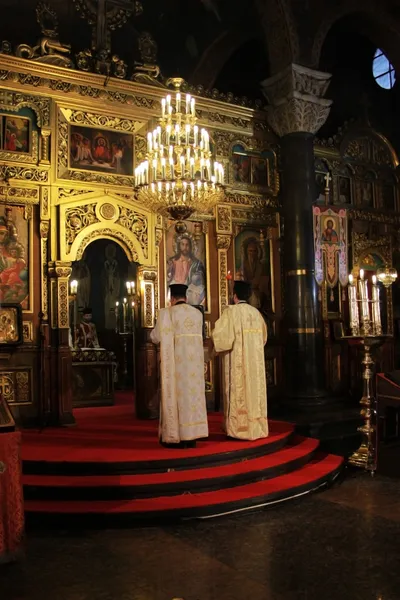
(163, 107)
(182, 163)
(353, 307)
(117, 317)
(192, 106)
(124, 314)
(74, 287)
(154, 169)
(187, 130)
(363, 289)
(187, 103)
(163, 163)
(178, 102)
(128, 287)
(376, 308)
(192, 168)
(159, 134)
(171, 164)
(229, 276)
(196, 135)
(168, 102)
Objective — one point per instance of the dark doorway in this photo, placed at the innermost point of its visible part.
(102, 274)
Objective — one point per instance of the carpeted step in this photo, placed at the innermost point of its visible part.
(122, 446)
(107, 487)
(320, 471)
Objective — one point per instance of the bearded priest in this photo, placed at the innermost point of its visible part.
(183, 411)
(240, 334)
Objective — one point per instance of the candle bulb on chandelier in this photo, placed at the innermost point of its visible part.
(171, 164)
(178, 102)
(196, 135)
(376, 308)
(192, 107)
(163, 164)
(149, 142)
(163, 107)
(187, 103)
(187, 131)
(192, 168)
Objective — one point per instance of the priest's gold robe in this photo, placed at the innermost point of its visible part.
(240, 334)
(183, 411)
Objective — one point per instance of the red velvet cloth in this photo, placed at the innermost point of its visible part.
(11, 496)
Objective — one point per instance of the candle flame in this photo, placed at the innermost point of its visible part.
(350, 279)
(361, 273)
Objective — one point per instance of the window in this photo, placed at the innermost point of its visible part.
(383, 71)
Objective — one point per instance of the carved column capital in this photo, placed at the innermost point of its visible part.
(44, 229)
(224, 219)
(296, 102)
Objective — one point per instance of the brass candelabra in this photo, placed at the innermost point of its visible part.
(366, 333)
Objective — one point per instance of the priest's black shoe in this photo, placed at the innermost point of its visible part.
(190, 444)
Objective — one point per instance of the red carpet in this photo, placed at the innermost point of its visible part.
(112, 464)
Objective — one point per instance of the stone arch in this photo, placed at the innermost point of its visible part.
(373, 22)
(217, 55)
(126, 240)
(281, 35)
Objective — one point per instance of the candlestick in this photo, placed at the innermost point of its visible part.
(353, 307)
(124, 314)
(117, 317)
(376, 308)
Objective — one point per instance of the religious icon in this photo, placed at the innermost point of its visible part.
(388, 198)
(367, 192)
(105, 151)
(344, 190)
(259, 171)
(14, 244)
(241, 168)
(329, 233)
(252, 264)
(16, 134)
(186, 260)
(111, 280)
(10, 324)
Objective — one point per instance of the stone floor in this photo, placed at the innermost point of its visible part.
(343, 544)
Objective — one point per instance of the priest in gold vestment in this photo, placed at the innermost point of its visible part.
(240, 334)
(183, 411)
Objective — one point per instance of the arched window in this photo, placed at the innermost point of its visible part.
(383, 70)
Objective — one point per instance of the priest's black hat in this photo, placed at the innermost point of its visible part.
(242, 289)
(178, 290)
(87, 311)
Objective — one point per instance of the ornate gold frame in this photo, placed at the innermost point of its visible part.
(252, 227)
(207, 248)
(66, 117)
(22, 157)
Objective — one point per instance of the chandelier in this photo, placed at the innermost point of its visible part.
(179, 176)
(386, 275)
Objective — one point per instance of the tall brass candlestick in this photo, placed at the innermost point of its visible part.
(376, 308)
(353, 307)
(365, 318)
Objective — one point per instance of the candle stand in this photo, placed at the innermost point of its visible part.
(366, 334)
(125, 326)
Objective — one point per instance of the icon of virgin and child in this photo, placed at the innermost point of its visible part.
(184, 267)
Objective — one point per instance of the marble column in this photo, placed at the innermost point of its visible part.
(296, 112)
